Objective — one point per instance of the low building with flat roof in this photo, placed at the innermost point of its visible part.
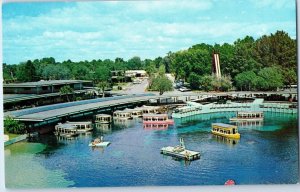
(135, 73)
(44, 87)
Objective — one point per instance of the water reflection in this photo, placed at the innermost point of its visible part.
(155, 126)
(98, 149)
(225, 140)
(123, 123)
(182, 162)
(105, 128)
(250, 124)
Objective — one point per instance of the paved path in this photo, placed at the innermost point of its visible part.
(137, 88)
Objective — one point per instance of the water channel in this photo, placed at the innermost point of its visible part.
(265, 153)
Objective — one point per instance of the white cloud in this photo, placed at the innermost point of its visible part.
(123, 29)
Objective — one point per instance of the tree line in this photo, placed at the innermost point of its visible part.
(266, 63)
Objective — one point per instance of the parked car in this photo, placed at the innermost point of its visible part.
(184, 89)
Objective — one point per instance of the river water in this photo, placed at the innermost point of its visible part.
(265, 154)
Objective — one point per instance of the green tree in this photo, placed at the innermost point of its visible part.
(13, 126)
(26, 72)
(161, 70)
(66, 90)
(101, 86)
(246, 81)
(243, 57)
(56, 72)
(102, 73)
(206, 83)
(150, 69)
(290, 77)
(134, 63)
(273, 78)
(276, 50)
(211, 82)
(30, 71)
(195, 80)
(226, 83)
(161, 84)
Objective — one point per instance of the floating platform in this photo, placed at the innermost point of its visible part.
(180, 152)
(184, 154)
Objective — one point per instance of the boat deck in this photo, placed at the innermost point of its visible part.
(184, 154)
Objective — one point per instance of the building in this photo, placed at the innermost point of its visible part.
(135, 73)
(44, 87)
(126, 76)
(216, 65)
(31, 94)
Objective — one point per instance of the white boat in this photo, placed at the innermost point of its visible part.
(82, 127)
(124, 115)
(99, 143)
(157, 119)
(135, 113)
(248, 116)
(103, 118)
(66, 130)
(149, 109)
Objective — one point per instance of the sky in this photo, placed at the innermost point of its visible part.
(148, 29)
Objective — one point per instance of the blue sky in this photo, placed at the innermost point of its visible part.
(110, 29)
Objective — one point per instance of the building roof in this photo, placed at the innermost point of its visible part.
(103, 115)
(224, 125)
(11, 98)
(44, 83)
(155, 115)
(66, 126)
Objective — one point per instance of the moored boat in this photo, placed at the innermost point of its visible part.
(149, 109)
(82, 127)
(66, 130)
(103, 118)
(225, 130)
(122, 115)
(135, 112)
(248, 116)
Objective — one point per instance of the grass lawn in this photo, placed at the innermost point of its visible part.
(11, 135)
(122, 84)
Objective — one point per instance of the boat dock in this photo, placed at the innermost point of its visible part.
(180, 152)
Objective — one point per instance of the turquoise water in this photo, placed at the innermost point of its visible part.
(266, 153)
